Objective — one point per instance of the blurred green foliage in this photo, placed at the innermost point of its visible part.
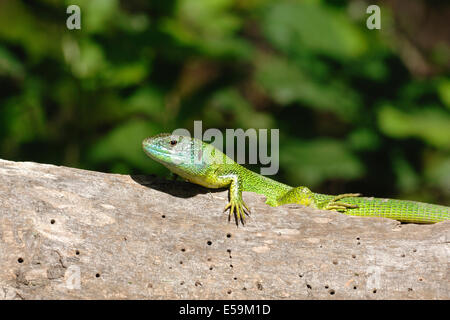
(351, 116)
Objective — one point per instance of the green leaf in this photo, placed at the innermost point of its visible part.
(444, 92)
(286, 83)
(85, 57)
(364, 139)
(208, 25)
(128, 74)
(25, 117)
(19, 25)
(437, 173)
(146, 100)
(9, 64)
(407, 178)
(96, 15)
(313, 162)
(295, 27)
(229, 103)
(431, 124)
(124, 143)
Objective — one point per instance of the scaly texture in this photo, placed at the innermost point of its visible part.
(201, 163)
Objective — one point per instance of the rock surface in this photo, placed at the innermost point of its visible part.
(74, 234)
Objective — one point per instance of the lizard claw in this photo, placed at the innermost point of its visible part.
(340, 206)
(239, 209)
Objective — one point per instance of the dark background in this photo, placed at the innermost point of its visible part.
(358, 110)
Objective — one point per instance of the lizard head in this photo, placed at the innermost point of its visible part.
(183, 154)
(170, 149)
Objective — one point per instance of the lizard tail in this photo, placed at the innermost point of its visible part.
(401, 210)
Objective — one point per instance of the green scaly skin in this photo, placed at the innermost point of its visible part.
(201, 163)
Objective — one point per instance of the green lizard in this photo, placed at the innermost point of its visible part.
(203, 164)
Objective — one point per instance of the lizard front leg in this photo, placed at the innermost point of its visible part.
(237, 206)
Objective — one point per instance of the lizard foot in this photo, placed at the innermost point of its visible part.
(339, 206)
(239, 209)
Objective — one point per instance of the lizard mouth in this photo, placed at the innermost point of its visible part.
(153, 151)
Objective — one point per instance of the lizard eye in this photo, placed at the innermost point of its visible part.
(173, 142)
